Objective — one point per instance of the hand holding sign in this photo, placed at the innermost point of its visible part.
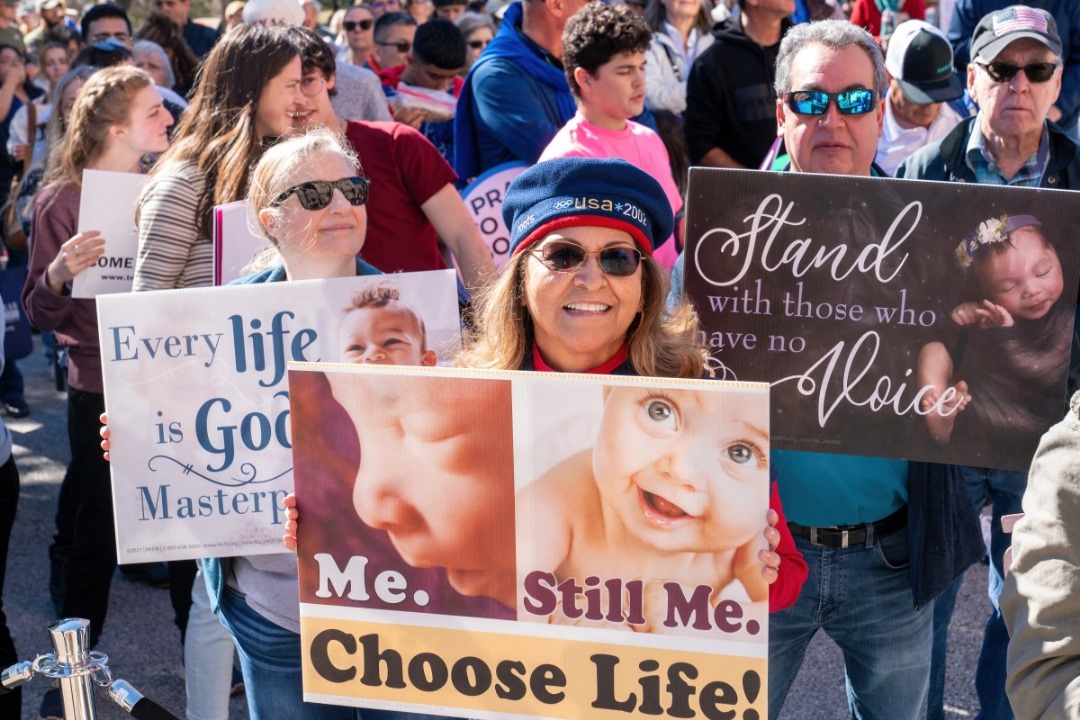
(77, 254)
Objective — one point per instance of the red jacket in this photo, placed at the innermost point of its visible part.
(792, 573)
(866, 14)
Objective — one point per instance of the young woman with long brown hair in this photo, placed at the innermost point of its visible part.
(247, 89)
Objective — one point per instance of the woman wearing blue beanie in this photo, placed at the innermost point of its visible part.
(581, 292)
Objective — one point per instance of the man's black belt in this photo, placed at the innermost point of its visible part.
(842, 536)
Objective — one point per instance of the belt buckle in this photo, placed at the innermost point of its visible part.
(843, 538)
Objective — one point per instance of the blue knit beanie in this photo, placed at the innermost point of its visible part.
(575, 192)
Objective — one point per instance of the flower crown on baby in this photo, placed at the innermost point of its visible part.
(989, 232)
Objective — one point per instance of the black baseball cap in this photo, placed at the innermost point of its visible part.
(920, 60)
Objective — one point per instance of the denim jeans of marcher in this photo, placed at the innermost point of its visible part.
(1006, 491)
(270, 660)
(861, 597)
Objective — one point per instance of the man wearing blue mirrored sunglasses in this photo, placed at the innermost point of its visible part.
(830, 78)
(829, 107)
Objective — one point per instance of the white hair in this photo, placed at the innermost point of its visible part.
(152, 48)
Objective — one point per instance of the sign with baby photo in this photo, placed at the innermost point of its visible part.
(198, 397)
(893, 318)
(491, 545)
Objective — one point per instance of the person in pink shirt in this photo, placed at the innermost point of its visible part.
(604, 56)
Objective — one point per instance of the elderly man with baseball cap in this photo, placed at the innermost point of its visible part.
(917, 113)
(1014, 77)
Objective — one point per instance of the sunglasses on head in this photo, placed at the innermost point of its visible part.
(402, 46)
(1038, 72)
(478, 44)
(816, 102)
(564, 256)
(317, 194)
(351, 25)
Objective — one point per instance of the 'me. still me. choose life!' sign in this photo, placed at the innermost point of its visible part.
(494, 545)
(928, 321)
(198, 398)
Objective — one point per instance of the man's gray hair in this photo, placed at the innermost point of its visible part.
(835, 34)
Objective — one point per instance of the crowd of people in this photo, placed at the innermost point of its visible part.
(352, 140)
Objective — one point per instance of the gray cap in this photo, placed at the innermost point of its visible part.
(997, 29)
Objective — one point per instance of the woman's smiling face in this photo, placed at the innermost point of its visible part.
(581, 317)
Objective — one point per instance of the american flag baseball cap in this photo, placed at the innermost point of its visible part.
(1001, 27)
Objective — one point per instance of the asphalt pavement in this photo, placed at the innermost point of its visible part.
(143, 645)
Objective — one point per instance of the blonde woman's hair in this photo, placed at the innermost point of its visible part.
(276, 172)
(104, 101)
(662, 343)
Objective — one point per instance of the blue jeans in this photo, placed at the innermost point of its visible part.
(861, 597)
(1006, 490)
(270, 660)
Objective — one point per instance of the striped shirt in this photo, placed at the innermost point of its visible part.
(173, 253)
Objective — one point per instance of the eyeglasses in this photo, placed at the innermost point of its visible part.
(312, 86)
(317, 194)
(386, 5)
(402, 46)
(352, 25)
(123, 37)
(1004, 72)
(478, 44)
(816, 102)
(563, 256)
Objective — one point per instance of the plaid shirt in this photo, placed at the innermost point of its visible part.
(986, 170)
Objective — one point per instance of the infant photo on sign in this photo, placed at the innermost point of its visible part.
(642, 508)
(994, 371)
(413, 475)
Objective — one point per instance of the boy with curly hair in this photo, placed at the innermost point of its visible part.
(604, 57)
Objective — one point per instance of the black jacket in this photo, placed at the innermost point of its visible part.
(730, 99)
(944, 160)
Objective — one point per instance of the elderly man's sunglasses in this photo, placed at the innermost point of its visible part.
(317, 194)
(351, 25)
(816, 102)
(563, 256)
(1038, 72)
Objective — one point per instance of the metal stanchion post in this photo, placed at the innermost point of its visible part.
(77, 669)
(74, 667)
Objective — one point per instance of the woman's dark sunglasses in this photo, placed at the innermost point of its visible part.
(317, 194)
(1004, 72)
(816, 102)
(478, 44)
(562, 256)
(351, 25)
